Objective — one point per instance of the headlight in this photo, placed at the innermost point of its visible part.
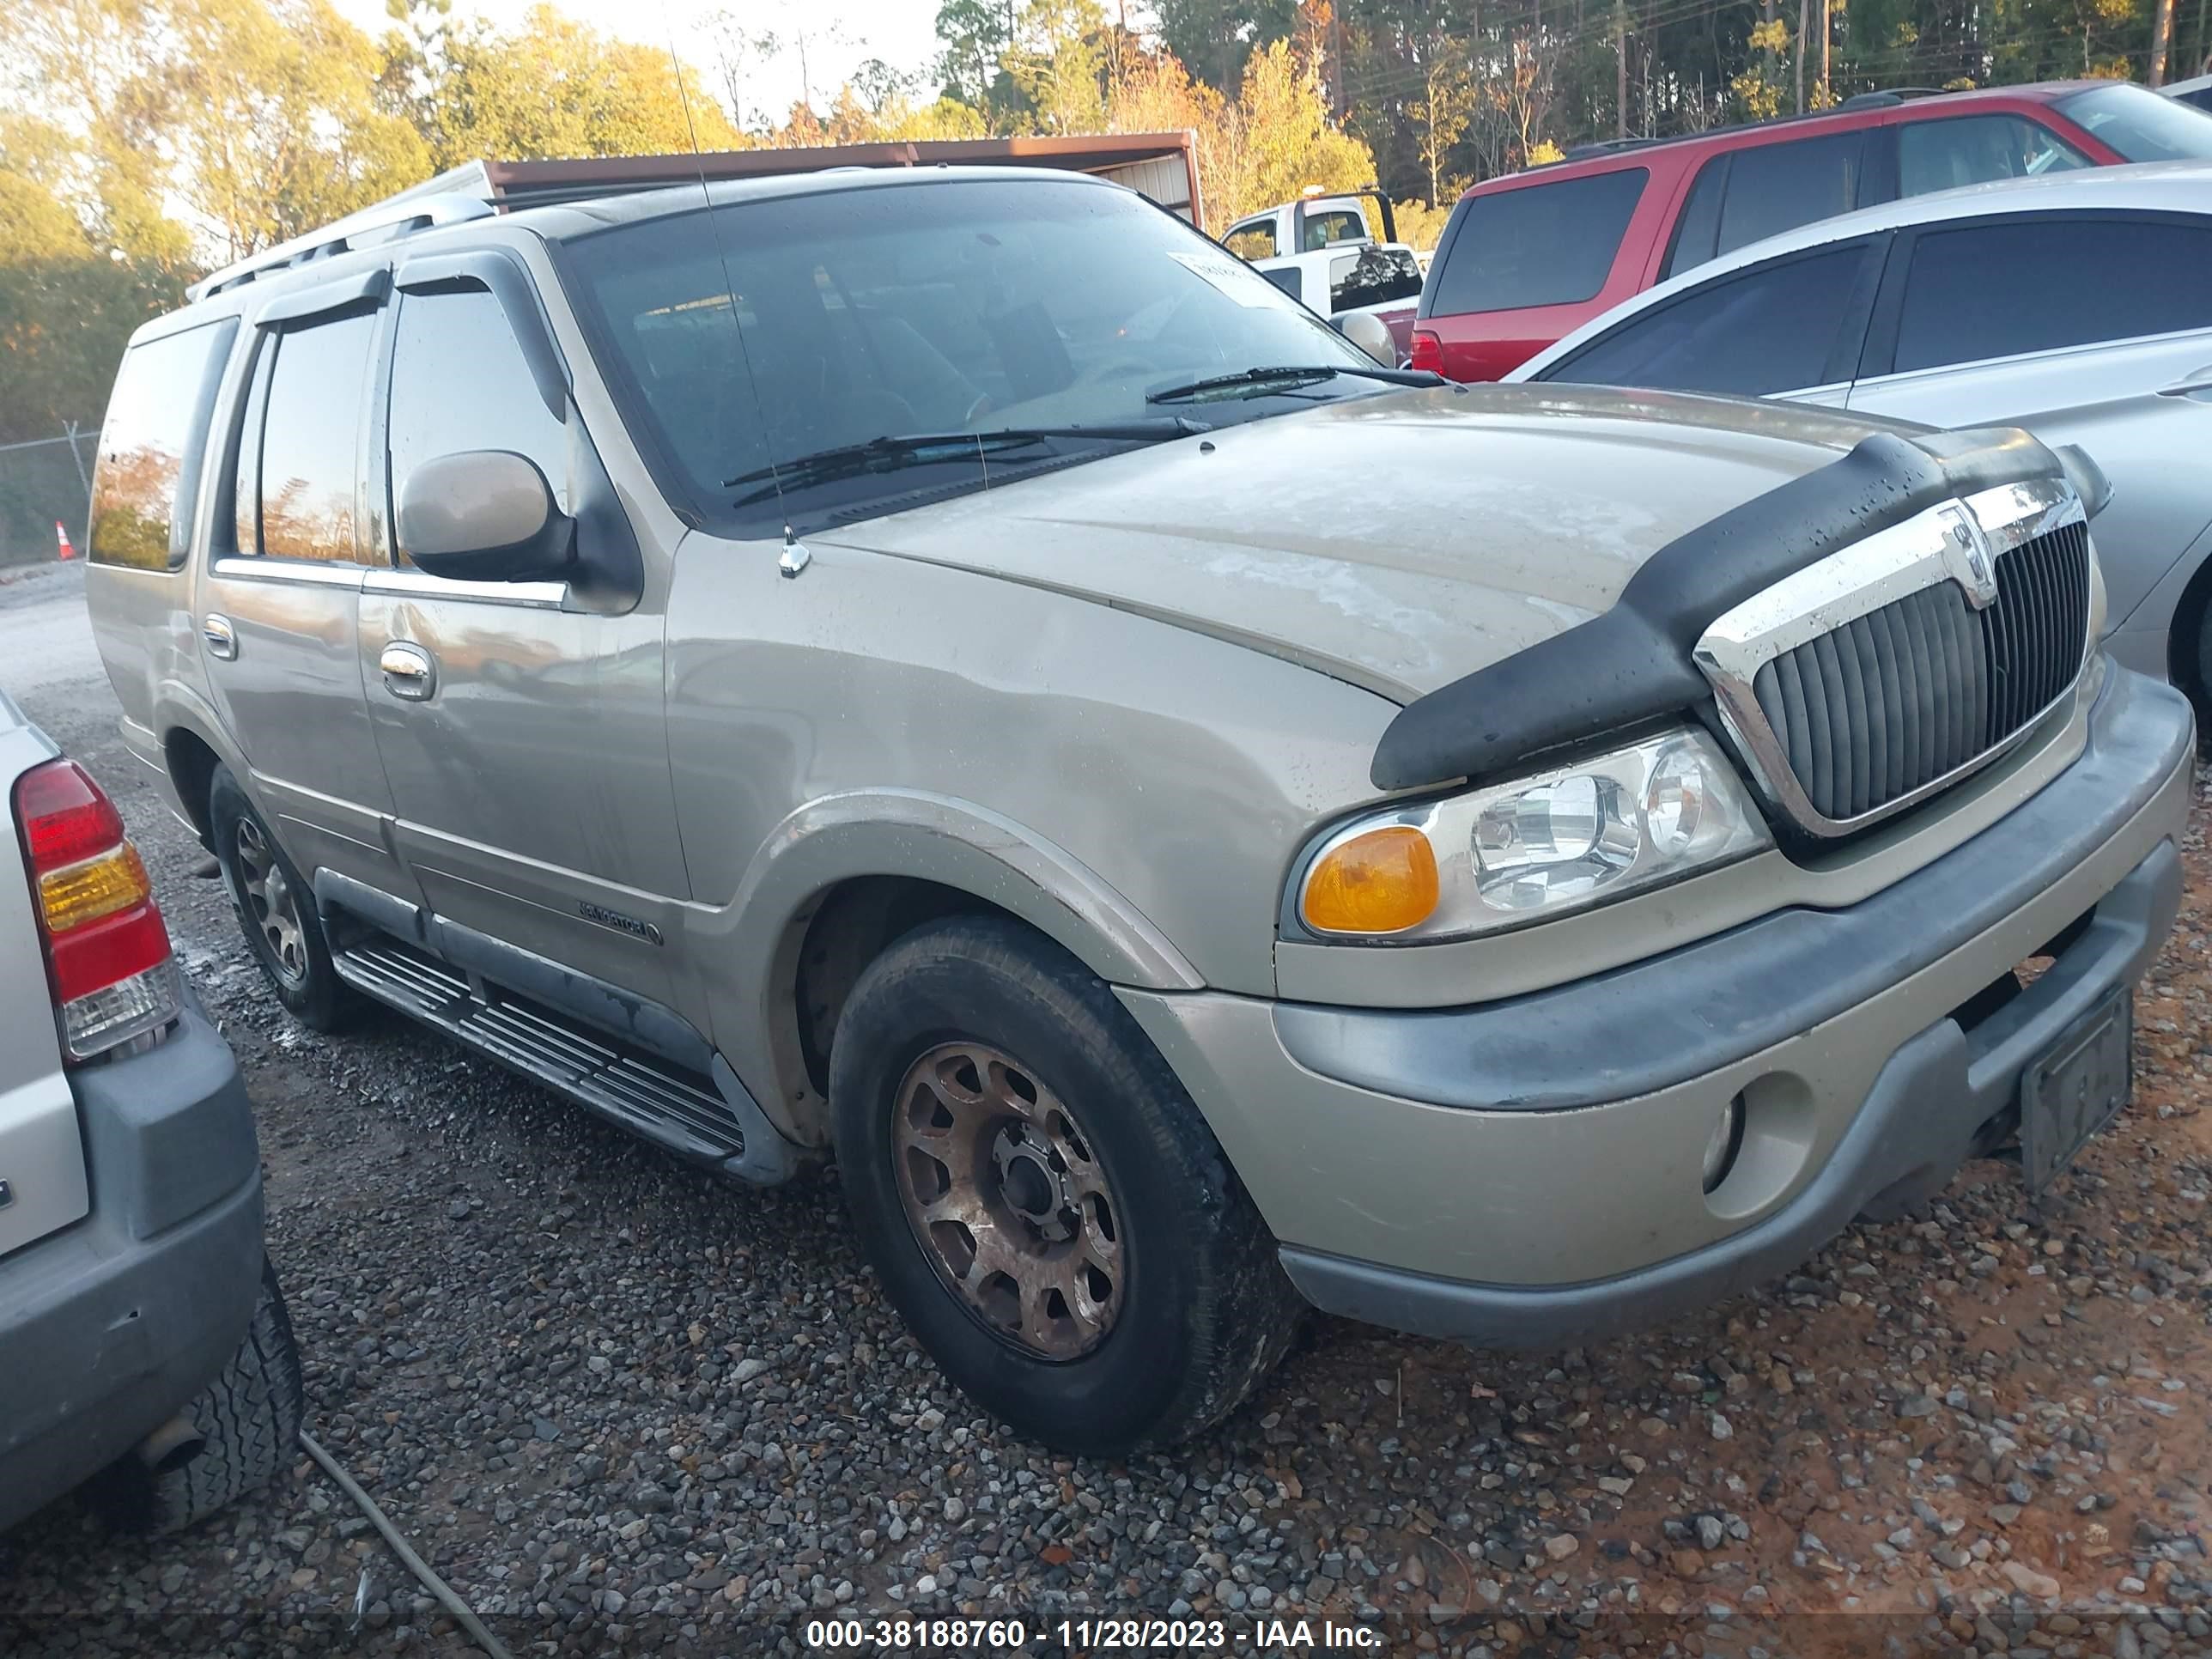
(1564, 840)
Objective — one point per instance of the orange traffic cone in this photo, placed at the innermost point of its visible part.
(60, 534)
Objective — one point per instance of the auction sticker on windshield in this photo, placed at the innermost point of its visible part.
(1232, 276)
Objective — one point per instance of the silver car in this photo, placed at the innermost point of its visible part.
(2077, 307)
(145, 1342)
(951, 671)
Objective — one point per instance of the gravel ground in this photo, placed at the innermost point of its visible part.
(623, 1407)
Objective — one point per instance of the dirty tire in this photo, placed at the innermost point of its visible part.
(249, 1417)
(316, 997)
(1206, 1311)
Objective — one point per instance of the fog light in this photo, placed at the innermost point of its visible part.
(1727, 1140)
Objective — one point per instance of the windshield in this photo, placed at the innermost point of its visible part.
(2140, 124)
(945, 305)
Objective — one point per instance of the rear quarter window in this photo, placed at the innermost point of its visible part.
(144, 484)
(1540, 245)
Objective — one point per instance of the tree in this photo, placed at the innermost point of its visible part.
(975, 37)
(1758, 85)
(1059, 60)
(562, 88)
(1440, 115)
(69, 295)
(261, 118)
(1281, 137)
(1215, 38)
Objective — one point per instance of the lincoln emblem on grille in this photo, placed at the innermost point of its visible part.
(1979, 575)
(1899, 663)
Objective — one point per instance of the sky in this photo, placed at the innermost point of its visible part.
(839, 35)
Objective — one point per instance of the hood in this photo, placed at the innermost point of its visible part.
(1397, 542)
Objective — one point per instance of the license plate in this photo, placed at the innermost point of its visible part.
(2075, 1088)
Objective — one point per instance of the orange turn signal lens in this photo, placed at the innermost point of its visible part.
(1382, 881)
(81, 893)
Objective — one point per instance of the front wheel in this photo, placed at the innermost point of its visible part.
(1042, 1199)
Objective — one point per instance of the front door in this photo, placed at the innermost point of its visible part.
(280, 600)
(524, 741)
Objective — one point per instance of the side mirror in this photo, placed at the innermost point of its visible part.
(484, 515)
(1370, 334)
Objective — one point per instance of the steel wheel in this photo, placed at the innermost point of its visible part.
(1007, 1200)
(270, 904)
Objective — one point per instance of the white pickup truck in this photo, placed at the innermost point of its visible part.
(1320, 251)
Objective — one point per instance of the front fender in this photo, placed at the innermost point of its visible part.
(922, 836)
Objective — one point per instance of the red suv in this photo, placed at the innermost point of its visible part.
(1527, 259)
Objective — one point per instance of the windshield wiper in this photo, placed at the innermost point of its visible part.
(893, 451)
(1291, 375)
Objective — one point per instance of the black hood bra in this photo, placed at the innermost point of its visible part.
(1633, 663)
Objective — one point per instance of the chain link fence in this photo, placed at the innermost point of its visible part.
(43, 482)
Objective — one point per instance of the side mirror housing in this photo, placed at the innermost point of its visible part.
(1370, 334)
(485, 515)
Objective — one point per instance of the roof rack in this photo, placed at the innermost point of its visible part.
(410, 210)
(1863, 100)
(1162, 166)
(1609, 147)
(1887, 98)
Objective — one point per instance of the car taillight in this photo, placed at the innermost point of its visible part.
(107, 950)
(1428, 351)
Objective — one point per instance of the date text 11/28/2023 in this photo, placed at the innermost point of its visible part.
(1012, 1636)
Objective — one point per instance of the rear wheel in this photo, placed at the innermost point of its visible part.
(246, 1424)
(1042, 1199)
(276, 910)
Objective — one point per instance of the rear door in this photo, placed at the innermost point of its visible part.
(279, 600)
(2094, 329)
(528, 760)
(1757, 191)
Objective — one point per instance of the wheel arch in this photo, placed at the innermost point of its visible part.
(845, 876)
(2186, 664)
(192, 746)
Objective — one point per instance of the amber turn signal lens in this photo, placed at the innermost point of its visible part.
(82, 893)
(1382, 882)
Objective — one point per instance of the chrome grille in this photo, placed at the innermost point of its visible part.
(1900, 698)
(1899, 663)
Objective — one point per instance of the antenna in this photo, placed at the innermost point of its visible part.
(794, 557)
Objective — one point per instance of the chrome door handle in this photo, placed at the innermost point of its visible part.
(222, 638)
(2194, 384)
(407, 671)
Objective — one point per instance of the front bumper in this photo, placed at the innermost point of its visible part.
(111, 1326)
(1528, 1172)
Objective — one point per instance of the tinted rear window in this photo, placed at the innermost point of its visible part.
(150, 446)
(1373, 276)
(1540, 245)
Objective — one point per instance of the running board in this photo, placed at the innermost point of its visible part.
(666, 1105)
